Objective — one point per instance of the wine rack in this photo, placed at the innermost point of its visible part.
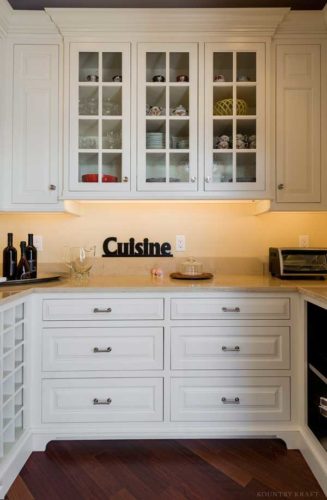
(12, 375)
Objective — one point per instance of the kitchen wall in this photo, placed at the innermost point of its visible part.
(211, 229)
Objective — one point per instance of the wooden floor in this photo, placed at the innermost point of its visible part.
(165, 469)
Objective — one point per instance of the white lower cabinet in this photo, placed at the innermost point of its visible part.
(102, 400)
(230, 398)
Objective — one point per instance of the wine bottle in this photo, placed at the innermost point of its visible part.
(31, 256)
(23, 268)
(9, 261)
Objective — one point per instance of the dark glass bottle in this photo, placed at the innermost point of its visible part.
(31, 255)
(9, 261)
(23, 268)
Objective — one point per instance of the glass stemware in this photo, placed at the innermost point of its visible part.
(80, 260)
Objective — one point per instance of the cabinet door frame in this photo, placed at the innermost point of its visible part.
(261, 108)
(192, 185)
(90, 187)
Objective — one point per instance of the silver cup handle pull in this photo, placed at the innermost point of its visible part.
(97, 349)
(103, 310)
(231, 309)
(230, 401)
(232, 349)
(97, 401)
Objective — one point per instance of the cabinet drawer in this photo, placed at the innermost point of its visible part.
(243, 308)
(230, 347)
(102, 309)
(102, 349)
(230, 398)
(102, 400)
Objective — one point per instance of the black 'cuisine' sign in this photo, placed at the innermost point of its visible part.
(130, 248)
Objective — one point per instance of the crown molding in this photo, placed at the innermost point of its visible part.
(6, 12)
(263, 21)
(311, 22)
(31, 22)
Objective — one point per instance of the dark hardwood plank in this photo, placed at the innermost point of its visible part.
(217, 469)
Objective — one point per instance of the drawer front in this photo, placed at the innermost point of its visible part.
(102, 309)
(230, 347)
(230, 399)
(102, 400)
(243, 308)
(102, 349)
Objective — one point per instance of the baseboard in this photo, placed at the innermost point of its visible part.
(315, 456)
(12, 464)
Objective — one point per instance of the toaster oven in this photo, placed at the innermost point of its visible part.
(298, 262)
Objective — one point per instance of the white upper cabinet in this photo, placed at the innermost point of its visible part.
(99, 135)
(298, 127)
(167, 116)
(35, 140)
(235, 108)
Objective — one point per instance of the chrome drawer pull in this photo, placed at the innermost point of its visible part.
(234, 349)
(97, 401)
(227, 401)
(97, 349)
(105, 310)
(231, 309)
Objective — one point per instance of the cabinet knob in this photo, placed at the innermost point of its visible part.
(52, 187)
(193, 179)
(125, 179)
(280, 186)
(208, 179)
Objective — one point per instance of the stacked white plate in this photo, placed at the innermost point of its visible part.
(155, 140)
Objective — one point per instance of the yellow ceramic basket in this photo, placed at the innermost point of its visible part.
(225, 107)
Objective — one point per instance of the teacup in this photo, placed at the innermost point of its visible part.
(182, 78)
(117, 78)
(92, 78)
(219, 78)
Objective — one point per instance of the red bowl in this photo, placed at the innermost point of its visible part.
(109, 178)
(90, 178)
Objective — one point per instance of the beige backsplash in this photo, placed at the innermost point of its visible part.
(142, 266)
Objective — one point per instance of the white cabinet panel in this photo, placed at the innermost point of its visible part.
(102, 348)
(231, 399)
(298, 123)
(35, 124)
(102, 309)
(102, 400)
(241, 308)
(230, 347)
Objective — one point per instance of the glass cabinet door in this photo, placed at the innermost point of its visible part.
(167, 117)
(235, 117)
(100, 117)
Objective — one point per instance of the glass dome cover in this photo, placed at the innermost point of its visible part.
(192, 267)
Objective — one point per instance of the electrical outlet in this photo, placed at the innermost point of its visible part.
(180, 243)
(38, 242)
(304, 241)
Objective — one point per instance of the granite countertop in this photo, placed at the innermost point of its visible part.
(147, 283)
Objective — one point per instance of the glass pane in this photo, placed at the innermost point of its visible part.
(223, 101)
(156, 67)
(222, 167)
(246, 134)
(112, 67)
(179, 101)
(111, 101)
(155, 167)
(88, 134)
(155, 134)
(179, 134)
(222, 134)
(111, 167)
(246, 101)
(88, 67)
(179, 169)
(245, 167)
(246, 67)
(156, 101)
(88, 101)
(179, 67)
(88, 167)
(223, 67)
(112, 134)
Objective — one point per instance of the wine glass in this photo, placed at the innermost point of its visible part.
(80, 260)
